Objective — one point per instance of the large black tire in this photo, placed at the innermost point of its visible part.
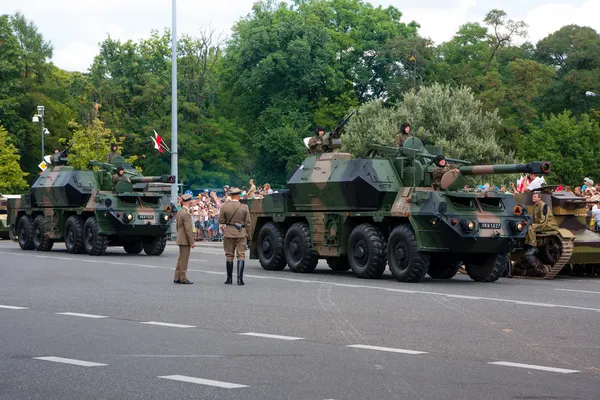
(155, 246)
(299, 254)
(338, 263)
(40, 241)
(74, 235)
(491, 270)
(95, 244)
(366, 251)
(407, 263)
(25, 231)
(134, 247)
(271, 247)
(441, 267)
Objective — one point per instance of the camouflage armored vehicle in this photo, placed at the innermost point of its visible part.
(571, 247)
(3, 222)
(88, 212)
(389, 208)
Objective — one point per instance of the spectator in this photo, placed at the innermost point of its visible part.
(536, 182)
(587, 182)
(577, 191)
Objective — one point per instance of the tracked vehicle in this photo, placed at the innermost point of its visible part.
(87, 211)
(571, 247)
(388, 208)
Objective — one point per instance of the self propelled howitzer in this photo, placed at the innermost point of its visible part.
(87, 210)
(394, 206)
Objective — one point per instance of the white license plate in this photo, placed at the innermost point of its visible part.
(490, 225)
(145, 216)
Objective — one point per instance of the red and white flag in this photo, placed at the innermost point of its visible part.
(159, 144)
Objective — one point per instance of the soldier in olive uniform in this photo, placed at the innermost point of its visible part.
(236, 218)
(185, 240)
(442, 168)
(113, 153)
(542, 221)
(119, 176)
(403, 135)
(315, 144)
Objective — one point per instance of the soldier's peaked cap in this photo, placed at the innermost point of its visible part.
(235, 190)
(187, 197)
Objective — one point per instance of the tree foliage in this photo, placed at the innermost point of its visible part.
(13, 178)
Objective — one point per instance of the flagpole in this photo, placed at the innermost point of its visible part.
(174, 188)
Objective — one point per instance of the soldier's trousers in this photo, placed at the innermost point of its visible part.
(182, 264)
(233, 246)
(534, 228)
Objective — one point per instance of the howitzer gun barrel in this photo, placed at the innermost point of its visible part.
(536, 167)
(148, 179)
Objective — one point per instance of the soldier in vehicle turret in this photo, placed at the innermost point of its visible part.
(542, 220)
(113, 153)
(442, 167)
(403, 134)
(120, 176)
(315, 144)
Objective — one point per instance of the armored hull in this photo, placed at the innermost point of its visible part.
(387, 209)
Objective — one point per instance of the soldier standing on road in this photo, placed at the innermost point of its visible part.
(403, 135)
(113, 153)
(236, 218)
(542, 220)
(120, 176)
(185, 240)
(315, 144)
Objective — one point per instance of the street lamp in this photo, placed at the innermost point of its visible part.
(591, 94)
(36, 118)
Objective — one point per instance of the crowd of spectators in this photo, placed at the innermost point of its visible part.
(207, 204)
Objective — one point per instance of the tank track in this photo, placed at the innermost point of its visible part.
(553, 270)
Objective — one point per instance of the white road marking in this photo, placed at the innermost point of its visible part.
(13, 307)
(578, 291)
(538, 367)
(321, 282)
(200, 381)
(70, 361)
(390, 349)
(266, 335)
(74, 314)
(168, 324)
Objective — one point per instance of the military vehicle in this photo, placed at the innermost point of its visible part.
(388, 207)
(571, 247)
(3, 223)
(86, 210)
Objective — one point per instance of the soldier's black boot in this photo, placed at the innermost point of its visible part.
(229, 265)
(240, 272)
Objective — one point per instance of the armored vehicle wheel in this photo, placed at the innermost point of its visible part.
(134, 247)
(491, 270)
(299, 254)
(155, 246)
(74, 235)
(550, 250)
(271, 247)
(407, 263)
(442, 269)
(40, 241)
(366, 251)
(95, 243)
(26, 233)
(338, 263)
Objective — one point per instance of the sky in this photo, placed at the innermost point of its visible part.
(76, 27)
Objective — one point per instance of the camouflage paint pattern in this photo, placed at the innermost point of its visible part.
(62, 191)
(333, 193)
(3, 218)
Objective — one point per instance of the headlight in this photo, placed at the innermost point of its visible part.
(128, 217)
(165, 217)
(520, 227)
(471, 225)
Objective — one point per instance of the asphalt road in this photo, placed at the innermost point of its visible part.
(116, 327)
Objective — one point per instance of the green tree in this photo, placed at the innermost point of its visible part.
(445, 116)
(91, 142)
(13, 178)
(571, 143)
